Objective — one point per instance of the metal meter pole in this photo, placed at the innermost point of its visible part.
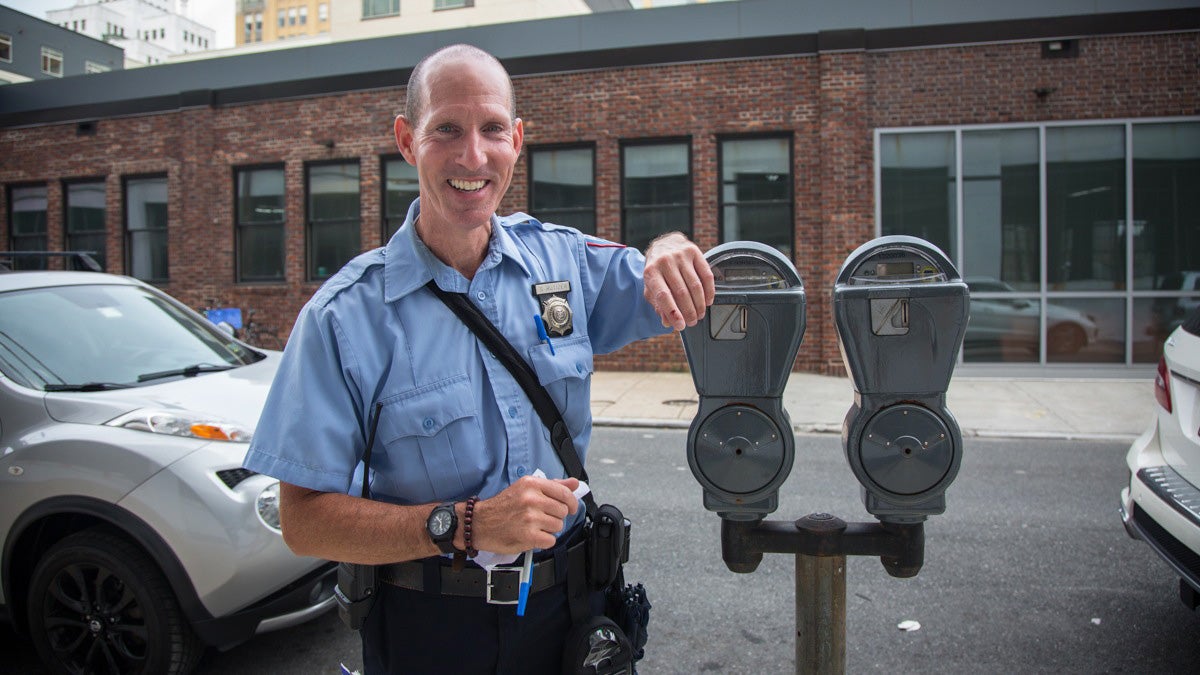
(820, 615)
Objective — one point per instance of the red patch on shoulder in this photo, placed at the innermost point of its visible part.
(599, 244)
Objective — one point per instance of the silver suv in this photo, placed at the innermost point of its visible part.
(132, 538)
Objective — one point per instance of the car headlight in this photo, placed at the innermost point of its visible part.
(190, 425)
(267, 506)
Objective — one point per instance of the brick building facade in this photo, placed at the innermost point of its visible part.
(827, 92)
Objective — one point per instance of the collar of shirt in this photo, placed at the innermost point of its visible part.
(409, 264)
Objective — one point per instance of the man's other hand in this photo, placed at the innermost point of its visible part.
(679, 283)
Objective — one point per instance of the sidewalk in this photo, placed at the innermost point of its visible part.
(998, 407)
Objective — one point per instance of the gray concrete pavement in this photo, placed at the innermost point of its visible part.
(1115, 409)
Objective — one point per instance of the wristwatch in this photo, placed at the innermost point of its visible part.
(441, 525)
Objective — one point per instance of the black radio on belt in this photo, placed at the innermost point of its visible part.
(608, 546)
(355, 590)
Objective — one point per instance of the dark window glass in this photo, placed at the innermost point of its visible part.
(85, 220)
(333, 217)
(146, 228)
(1085, 208)
(400, 189)
(756, 191)
(1001, 221)
(563, 187)
(260, 224)
(656, 194)
(371, 8)
(27, 229)
(917, 178)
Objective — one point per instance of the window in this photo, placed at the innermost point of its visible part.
(374, 8)
(756, 191)
(282, 18)
(303, 16)
(656, 191)
(85, 226)
(292, 16)
(260, 224)
(52, 62)
(146, 228)
(400, 189)
(27, 224)
(5, 48)
(93, 67)
(1080, 241)
(323, 12)
(562, 186)
(452, 4)
(333, 217)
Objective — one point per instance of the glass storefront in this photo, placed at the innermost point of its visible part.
(1080, 241)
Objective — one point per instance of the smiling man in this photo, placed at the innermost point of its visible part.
(458, 443)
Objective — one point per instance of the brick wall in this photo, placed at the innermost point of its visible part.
(830, 103)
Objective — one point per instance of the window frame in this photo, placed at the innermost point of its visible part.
(385, 219)
(6, 39)
(239, 227)
(309, 222)
(28, 263)
(101, 255)
(625, 144)
(532, 191)
(786, 135)
(53, 54)
(442, 5)
(127, 233)
(393, 11)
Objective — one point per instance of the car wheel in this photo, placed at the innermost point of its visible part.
(97, 604)
(1065, 338)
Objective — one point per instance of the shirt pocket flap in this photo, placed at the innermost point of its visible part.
(572, 357)
(427, 410)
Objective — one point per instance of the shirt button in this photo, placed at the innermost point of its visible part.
(520, 471)
(512, 411)
(481, 295)
(428, 423)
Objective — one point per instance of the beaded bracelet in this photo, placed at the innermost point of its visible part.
(469, 516)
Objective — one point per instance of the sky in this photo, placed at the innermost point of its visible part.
(216, 14)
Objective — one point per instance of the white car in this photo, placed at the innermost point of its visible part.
(996, 320)
(1161, 506)
(131, 536)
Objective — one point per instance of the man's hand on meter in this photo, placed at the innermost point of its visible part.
(679, 283)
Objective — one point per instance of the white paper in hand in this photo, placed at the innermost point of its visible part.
(488, 560)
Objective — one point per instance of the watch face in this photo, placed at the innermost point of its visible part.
(439, 523)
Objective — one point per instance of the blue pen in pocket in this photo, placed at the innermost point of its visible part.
(541, 331)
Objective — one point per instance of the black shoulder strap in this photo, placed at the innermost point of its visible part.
(479, 324)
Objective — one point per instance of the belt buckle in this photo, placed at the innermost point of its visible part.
(488, 591)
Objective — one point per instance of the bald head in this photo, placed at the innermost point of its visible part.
(420, 80)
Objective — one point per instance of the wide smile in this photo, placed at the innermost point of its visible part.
(467, 185)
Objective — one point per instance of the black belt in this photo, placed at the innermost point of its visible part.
(498, 586)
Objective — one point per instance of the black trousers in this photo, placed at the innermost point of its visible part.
(417, 632)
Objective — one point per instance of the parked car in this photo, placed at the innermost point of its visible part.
(132, 538)
(1017, 321)
(1161, 505)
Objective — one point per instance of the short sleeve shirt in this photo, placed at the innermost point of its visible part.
(453, 422)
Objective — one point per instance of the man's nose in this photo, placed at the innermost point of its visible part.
(471, 154)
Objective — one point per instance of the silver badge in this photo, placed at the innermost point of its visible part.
(556, 311)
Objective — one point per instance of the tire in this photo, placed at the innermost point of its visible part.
(1065, 338)
(98, 604)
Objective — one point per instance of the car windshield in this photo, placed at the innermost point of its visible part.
(97, 337)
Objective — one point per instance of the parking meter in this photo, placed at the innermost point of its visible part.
(901, 311)
(740, 445)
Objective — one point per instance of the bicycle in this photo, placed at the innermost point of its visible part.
(257, 334)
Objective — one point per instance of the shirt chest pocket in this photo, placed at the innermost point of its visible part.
(566, 374)
(433, 444)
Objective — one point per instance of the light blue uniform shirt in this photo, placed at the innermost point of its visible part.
(454, 422)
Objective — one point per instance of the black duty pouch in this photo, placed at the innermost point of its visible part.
(597, 646)
(355, 593)
(607, 546)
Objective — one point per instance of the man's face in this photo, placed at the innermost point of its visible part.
(464, 145)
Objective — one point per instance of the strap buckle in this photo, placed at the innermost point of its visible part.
(491, 585)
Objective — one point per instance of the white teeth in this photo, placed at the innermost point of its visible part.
(468, 185)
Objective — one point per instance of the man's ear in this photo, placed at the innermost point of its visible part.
(518, 134)
(404, 138)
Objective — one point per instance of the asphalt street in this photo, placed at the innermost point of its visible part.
(1029, 570)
